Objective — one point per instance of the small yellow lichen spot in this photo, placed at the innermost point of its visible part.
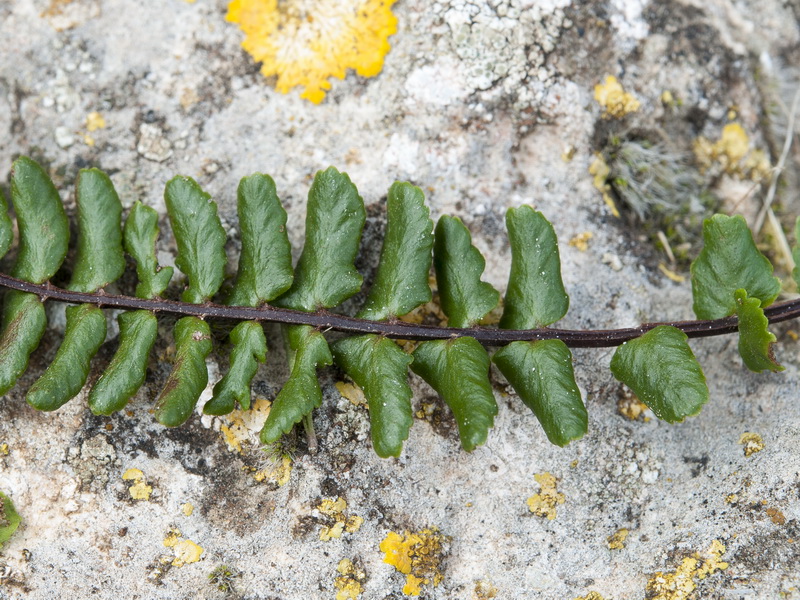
(353, 523)
(680, 584)
(581, 241)
(732, 498)
(304, 42)
(342, 523)
(411, 588)
(591, 596)
(734, 142)
(331, 507)
(600, 170)
(139, 490)
(3, 449)
(544, 503)
(347, 589)
(630, 407)
(95, 121)
(350, 583)
(187, 509)
(614, 99)
(280, 472)
(776, 516)
(732, 153)
(485, 591)
(416, 555)
(172, 537)
(616, 541)
(186, 552)
(396, 550)
(333, 532)
(231, 438)
(243, 426)
(752, 443)
(351, 392)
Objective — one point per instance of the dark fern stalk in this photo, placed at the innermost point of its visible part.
(732, 283)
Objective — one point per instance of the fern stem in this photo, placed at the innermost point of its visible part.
(324, 320)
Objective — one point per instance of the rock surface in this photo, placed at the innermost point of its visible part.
(485, 105)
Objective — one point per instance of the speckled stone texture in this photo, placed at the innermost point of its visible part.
(485, 105)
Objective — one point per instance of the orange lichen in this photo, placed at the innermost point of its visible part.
(680, 584)
(416, 555)
(544, 503)
(304, 42)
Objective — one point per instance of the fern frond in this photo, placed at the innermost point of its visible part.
(732, 283)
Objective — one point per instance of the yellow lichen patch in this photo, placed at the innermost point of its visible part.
(95, 121)
(4, 449)
(304, 42)
(417, 555)
(600, 170)
(187, 509)
(349, 584)
(752, 443)
(485, 591)
(680, 584)
(173, 537)
(352, 393)
(139, 490)
(616, 541)
(279, 471)
(732, 498)
(614, 99)
(412, 586)
(581, 241)
(591, 596)
(186, 552)
(243, 426)
(732, 153)
(341, 522)
(544, 503)
(776, 516)
(630, 407)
